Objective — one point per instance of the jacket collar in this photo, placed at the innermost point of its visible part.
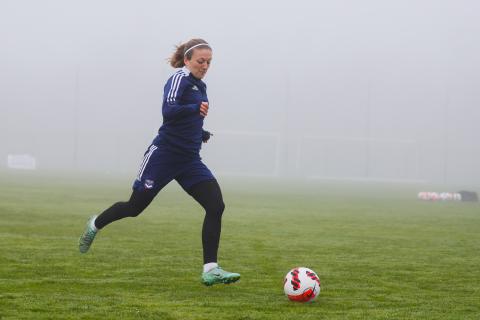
(185, 69)
(189, 74)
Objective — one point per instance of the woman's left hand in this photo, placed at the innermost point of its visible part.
(206, 136)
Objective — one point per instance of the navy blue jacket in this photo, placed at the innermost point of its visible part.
(182, 128)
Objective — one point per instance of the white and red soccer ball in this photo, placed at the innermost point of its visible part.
(301, 285)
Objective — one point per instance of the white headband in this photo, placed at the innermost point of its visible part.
(197, 45)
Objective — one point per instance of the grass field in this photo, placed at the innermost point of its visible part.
(379, 254)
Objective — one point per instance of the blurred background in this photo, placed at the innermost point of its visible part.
(313, 90)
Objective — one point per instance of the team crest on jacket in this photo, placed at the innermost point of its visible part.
(148, 184)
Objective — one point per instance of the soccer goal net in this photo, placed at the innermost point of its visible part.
(243, 153)
(343, 158)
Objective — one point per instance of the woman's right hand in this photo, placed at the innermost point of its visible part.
(204, 109)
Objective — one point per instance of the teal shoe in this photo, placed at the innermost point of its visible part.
(218, 275)
(87, 237)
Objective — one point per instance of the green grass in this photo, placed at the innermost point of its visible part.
(379, 255)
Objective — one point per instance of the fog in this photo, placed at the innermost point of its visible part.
(344, 90)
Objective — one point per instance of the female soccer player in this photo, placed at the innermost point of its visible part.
(175, 155)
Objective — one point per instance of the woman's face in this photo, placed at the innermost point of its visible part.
(200, 62)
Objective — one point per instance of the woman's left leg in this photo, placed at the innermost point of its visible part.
(200, 183)
(209, 196)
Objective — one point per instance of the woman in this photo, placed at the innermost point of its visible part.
(175, 155)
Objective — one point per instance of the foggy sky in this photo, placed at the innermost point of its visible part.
(369, 90)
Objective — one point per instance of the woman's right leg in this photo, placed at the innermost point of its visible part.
(139, 200)
(150, 180)
(152, 176)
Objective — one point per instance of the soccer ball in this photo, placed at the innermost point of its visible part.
(301, 285)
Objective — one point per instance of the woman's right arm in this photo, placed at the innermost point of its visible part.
(173, 91)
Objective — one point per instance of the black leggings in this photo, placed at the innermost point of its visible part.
(206, 193)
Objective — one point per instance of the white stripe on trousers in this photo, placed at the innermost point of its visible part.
(145, 161)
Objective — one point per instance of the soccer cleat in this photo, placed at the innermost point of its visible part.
(218, 275)
(87, 237)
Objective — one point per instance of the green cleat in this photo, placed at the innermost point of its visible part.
(218, 275)
(87, 237)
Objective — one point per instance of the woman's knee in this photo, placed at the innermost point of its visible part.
(216, 209)
(138, 202)
(134, 211)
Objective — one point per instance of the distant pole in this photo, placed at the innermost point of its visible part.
(75, 118)
(368, 128)
(283, 164)
(445, 135)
